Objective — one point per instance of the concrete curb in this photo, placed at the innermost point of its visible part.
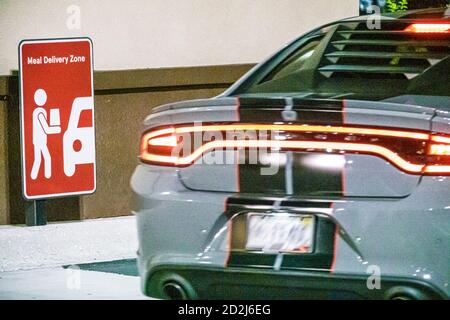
(67, 243)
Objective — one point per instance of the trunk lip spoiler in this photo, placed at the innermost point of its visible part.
(315, 104)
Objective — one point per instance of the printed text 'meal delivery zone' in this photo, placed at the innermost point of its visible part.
(53, 59)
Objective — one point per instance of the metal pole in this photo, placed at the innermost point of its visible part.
(36, 214)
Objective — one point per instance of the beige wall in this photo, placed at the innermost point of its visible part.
(167, 33)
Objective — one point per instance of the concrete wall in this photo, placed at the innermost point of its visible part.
(122, 100)
(166, 33)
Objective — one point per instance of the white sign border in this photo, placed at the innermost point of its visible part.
(22, 132)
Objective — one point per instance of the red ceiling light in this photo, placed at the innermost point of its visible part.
(429, 28)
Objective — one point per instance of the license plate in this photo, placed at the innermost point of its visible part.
(280, 232)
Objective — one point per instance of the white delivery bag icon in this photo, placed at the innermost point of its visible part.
(78, 143)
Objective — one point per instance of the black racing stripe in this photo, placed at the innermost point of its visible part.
(253, 180)
(321, 104)
(237, 200)
(305, 204)
(258, 115)
(241, 202)
(307, 178)
(304, 116)
(308, 110)
(329, 117)
(260, 103)
(309, 175)
(310, 178)
(298, 103)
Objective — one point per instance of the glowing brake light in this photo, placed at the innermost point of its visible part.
(410, 151)
(439, 150)
(169, 141)
(429, 28)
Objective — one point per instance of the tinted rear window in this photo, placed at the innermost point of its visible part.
(348, 60)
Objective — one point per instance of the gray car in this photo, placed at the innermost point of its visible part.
(324, 172)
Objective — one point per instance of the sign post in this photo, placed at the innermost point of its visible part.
(35, 214)
(57, 121)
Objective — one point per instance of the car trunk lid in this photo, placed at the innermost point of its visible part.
(316, 171)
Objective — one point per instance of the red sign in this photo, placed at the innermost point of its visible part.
(57, 117)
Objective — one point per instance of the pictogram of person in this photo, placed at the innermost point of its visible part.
(42, 128)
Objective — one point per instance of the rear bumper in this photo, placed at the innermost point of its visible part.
(406, 239)
(245, 283)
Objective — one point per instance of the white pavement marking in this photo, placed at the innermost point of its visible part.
(67, 243)
(68, 284)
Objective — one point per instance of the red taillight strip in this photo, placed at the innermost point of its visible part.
(299, 145)
(440, 139)
(436, 169)
(429, 28)
(274, 127)
(384, 152)
(167, 141)
(306, 128)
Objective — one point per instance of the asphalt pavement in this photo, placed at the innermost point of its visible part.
(89, 259)
(100, 280)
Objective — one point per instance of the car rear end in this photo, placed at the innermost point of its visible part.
(323, 173)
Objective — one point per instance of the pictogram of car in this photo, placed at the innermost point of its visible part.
(78, 142)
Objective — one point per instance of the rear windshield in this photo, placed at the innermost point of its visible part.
(351, 61)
